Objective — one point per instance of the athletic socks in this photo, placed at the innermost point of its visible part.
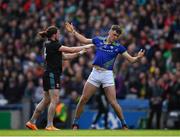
(33, 121)
(123, 122)
(76, 121)
(49, 124)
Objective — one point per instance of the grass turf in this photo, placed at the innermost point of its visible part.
(90, 133)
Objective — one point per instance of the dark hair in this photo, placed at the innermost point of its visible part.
(48, 32)
(117, 28)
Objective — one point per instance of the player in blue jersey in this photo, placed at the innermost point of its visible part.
(107, 49)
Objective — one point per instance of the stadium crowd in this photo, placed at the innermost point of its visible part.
(153, 25)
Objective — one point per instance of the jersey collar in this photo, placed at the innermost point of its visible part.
(113, 43)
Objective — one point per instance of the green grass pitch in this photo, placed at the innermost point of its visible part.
(96, 133)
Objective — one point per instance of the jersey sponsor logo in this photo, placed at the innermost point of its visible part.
(106, 49)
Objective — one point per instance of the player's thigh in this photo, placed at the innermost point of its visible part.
(89, 90)
(107, 79)
(95, 78)
(54, 94)
(110, 93)
(46, 95)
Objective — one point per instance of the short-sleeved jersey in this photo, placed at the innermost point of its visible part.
(106, 53)
(53, 57)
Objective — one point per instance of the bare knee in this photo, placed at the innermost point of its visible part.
(55, 100)
(46, 102)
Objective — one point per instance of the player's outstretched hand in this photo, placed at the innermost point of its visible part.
(69, 27)
(141, 53)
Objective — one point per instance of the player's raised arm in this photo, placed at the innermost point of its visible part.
(69, 56)
(74, 49)
(70, 28)
(133, 59)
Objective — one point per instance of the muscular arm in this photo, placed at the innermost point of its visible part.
(131, 58)
(74, 49)
(68, 56)
(81, 38)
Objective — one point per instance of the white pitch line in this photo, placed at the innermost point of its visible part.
(90, 136)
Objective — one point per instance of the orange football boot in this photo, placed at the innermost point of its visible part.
(51, 128)
(31, 126)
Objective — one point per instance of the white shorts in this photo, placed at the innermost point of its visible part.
(104, 77)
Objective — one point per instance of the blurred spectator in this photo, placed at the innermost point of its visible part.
(120, 87)
(102, 107)
(174, 91)
(155, 97)
(143, 86)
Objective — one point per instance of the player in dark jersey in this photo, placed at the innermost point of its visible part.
(107, 49)
(54, 52)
